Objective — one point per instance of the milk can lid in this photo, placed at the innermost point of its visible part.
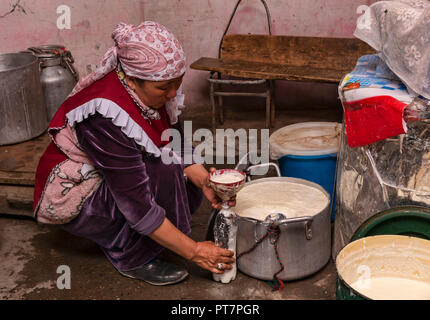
(48, 51)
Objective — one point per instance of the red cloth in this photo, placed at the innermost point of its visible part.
(373, 119)
(109, 88)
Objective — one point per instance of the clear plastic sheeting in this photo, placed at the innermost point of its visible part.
(387, 174)
(399, 31)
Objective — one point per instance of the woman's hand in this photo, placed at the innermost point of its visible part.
(205, 254)
(212, 197)
(208, 256)
(200, 177)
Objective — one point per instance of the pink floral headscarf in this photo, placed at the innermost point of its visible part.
(147, 51)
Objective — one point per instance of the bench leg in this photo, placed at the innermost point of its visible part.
(268, 103)
(213, 107)
(221, 110)
(273, 103)
(220, 102)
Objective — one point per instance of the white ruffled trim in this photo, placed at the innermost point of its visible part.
(120, 118)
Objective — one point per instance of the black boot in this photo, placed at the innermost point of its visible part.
(158, 273)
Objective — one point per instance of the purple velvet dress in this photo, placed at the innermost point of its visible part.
(138, 191)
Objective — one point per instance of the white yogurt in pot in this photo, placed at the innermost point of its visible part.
(387, 267)
(393, 288)
(292, 199)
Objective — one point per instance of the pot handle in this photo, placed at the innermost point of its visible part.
(307, 220)
(244, 165)
(268, 164)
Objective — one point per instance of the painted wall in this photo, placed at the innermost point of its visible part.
(199, 25)
(27, 23)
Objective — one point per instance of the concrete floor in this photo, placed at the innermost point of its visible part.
(30, 253)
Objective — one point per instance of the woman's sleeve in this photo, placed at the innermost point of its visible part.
(187, 149)
(119, 160)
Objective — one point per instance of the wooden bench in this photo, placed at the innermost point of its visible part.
(266, 58)
(18, 164)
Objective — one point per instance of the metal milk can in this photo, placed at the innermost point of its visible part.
(22, 107)
(58, 76)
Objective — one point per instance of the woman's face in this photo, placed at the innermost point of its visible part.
(155, 94)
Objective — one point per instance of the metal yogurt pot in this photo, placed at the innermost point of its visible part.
(304, 243)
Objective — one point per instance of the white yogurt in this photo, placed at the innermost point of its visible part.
(259, 200)
(392, 288)
(226, 178)
(229, 275)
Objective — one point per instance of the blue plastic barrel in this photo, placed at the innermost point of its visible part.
(316, 163)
